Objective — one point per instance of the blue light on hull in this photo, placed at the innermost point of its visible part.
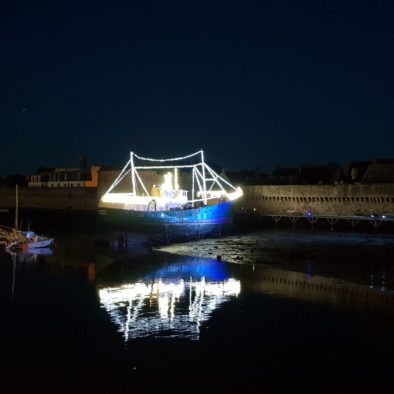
(215, 214)
(208, 269)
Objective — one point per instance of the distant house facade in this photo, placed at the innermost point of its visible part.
(74, 177)
(379, 171)
(40, 178)
(356, 170)
(65, 177)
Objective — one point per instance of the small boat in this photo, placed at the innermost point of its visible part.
(177, 191)
(34, 241)
(28, 240)
(25, 240)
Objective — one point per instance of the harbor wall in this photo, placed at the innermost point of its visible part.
(329, 200)
(77, 198)
(81, 199)
(325, 200)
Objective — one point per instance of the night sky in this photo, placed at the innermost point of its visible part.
(253, 83)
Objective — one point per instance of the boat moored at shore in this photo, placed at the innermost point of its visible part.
(27, 240)
(208, 200)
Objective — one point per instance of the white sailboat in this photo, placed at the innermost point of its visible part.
(25, 240)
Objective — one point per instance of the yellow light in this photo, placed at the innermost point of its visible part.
(167, 185)
(235, 195)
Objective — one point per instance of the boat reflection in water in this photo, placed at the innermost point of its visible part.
(171, 302)
(30, 255)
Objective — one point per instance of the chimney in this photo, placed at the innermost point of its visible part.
(82, 161)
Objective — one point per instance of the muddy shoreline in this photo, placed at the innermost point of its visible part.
(335, 254)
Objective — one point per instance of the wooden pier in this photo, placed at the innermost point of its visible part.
(293, 218)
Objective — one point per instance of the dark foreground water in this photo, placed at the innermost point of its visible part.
(104, 319)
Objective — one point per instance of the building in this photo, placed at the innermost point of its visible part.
(379, 171)
(356, 170)
(40, 178)
(65, 177)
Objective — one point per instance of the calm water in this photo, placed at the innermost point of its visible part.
(158, 322)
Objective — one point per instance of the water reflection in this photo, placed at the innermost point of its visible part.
(372, 296)
(22, 256)
(30, 255)
(13, 276)
(171, 302)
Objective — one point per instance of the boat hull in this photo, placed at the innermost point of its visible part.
(30, 245)
(38, 244)
(208, 215)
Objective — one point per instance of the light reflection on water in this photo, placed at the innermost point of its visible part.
(30, 255)
(172, 302)
(318, 289)
(175, 300)
(276, 318)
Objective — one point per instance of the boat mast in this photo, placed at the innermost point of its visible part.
(132, 171)
(203, 177)
(16, 208)
(193, 175)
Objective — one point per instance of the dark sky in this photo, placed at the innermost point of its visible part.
(253, 83)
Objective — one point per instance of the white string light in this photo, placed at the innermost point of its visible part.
(216, 180)
(162, 167)
(170, 159)
(119, 178)
(142, 183)
(218, 176)
(198, 176)
(198, 181)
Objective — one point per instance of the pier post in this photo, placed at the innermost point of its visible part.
(352, 222)
(331, 221)
(294, 220)
(312, 220)
(375, 223)
(276, 219)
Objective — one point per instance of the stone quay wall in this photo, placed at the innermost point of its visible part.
(81, 199)
(323, 200)
(77, 198)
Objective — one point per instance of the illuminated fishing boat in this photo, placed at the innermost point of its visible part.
(153, 195)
